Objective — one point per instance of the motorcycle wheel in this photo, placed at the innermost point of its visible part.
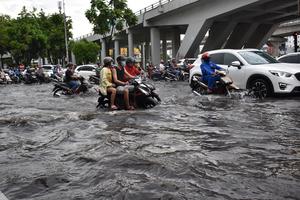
(150, 102)
(200, 90)
(58, 92)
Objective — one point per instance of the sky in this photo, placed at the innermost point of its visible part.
(74, 8)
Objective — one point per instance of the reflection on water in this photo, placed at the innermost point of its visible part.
(188, 147)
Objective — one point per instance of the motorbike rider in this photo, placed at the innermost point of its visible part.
(162, 66)
(71, 79)
(40, 74)
(209, 73)
(2, 76)
(98, 69)
(106, 81)
(58, 71)
(174, 68)
(123, 86)
(131, 70)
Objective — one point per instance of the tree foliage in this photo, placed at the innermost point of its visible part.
(85, 52)
(4, 39)
(109, 15)
(34, 34)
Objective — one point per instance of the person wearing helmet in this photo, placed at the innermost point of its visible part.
(131, 70)
(98, 69)
(71, 79)
(123, 86)
(174, 68)
(209, 74)
(106, 82)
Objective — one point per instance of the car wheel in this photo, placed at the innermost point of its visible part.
(260, 88)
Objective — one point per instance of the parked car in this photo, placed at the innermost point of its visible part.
(86, 70)
(48, 69)
(186, 61)
(290, 58)
(254, 69)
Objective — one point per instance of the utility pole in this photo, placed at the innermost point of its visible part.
(295, 36)
(66, 37)
(61, 5)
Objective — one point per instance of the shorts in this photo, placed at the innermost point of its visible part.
(121, 89)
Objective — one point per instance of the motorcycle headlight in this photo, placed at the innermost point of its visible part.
(280, 73)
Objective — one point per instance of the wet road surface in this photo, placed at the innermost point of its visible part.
(188, 147)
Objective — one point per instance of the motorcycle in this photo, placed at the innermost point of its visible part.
(166, 75)
(14, 76)
(143, 93)
(184, 73)
(56, 78)
(61, 88)
(30, 76)
(94, 79)
(223, 86)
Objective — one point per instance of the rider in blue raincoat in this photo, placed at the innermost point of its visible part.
(209, 74)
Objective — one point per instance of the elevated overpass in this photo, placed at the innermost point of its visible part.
(287, 29)
(230, 24)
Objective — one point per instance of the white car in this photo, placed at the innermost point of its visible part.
(254, 69)
(48, 69)
(290, 58)
(86, 71)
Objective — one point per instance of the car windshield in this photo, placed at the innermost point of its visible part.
(257, 57)
(47, 67)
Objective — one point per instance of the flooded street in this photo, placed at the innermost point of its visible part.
(188, 147)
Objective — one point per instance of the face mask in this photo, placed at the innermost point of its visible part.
(123, 63)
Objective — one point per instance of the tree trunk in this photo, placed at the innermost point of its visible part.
(1, 61)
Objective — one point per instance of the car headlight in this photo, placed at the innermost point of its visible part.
(280, 73)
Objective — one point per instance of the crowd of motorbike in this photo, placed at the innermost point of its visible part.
(170, 71)
(27, 76)
(144, 91)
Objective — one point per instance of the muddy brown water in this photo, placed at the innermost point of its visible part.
(188, 147)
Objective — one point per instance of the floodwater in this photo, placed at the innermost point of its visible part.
(188, 147)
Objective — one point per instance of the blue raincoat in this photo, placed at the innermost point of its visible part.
(208, 69)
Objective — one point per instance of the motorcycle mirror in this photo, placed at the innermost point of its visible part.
(236, 64)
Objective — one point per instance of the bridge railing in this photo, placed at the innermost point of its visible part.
(291, 23)
(138, 13)
(152, 7)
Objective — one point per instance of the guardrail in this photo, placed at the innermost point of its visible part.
(152, 7)
(291, 23)
(138, 13)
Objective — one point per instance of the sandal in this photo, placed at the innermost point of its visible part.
(130, 108)
(113, 107)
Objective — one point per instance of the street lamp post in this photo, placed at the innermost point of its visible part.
(62, 5)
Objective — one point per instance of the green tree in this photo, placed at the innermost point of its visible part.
(85, 52)
(56, 38)
(32, 35)
(109, 15)
(4, 39)
(27, 40)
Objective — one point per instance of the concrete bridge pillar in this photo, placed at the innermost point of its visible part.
(164, 49)
(175, 42)
(130, 43)
(193, 37)
(116, 49)
(147, 52)
(155, 46)
(103, 49)
(218, 35)
(240, 34)
(260, 35)
(73, 58)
